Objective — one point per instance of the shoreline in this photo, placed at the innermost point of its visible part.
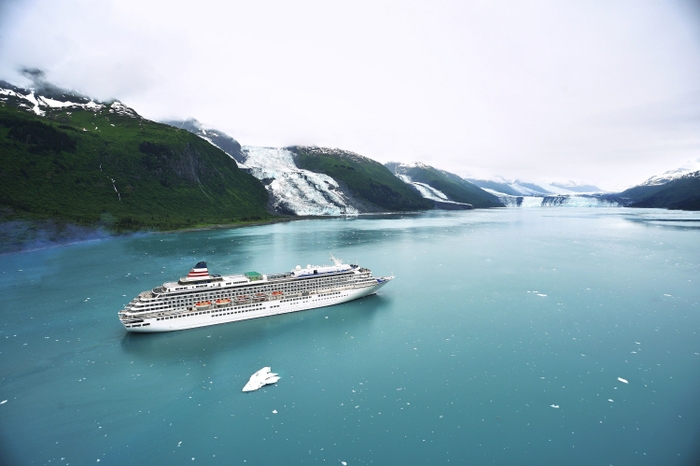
(47, 234)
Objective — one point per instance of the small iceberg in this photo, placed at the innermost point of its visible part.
(261, 378)
(622, 380)
(554, 406)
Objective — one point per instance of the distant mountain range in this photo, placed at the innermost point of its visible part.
(524, 188)
(326, 181)
(70, 158)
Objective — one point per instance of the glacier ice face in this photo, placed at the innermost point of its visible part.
(429, 192)
(293, 190)
(555, 200)
(425, 190)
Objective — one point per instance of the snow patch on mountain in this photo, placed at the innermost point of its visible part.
(117, 108)
(41, 101)
(424, 189)
(427, 191)
(667, 177)
(293, 190)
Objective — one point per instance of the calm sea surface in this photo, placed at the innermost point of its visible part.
(500, 341)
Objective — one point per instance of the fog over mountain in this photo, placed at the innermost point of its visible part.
(604, 93)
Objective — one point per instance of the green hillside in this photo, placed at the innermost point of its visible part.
(112, 168)
(453, 186)
(681, 194)
(365, 178)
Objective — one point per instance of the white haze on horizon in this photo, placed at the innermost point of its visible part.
(604, 93)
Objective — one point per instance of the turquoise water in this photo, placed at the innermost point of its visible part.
(494, 318)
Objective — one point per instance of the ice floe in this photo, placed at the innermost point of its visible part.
(261, 378)
(622, 380)
(554, 406)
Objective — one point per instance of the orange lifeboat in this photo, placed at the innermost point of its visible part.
(202, 305)
(223, 302)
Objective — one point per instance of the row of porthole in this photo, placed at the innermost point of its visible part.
(238, 312)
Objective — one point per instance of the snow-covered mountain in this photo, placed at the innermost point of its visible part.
(525, 188)
(46, 98)
(510, 187)
(666, 177)
(215, 137)
(675, 189)
(573, 187)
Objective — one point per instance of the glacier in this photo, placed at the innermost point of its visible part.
(425, 189)
(293, 190)
(557, 200)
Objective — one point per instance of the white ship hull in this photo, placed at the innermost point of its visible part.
(172, 307)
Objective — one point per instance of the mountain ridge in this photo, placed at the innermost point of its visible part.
(443, 187)
(681, 191)
(100, 163)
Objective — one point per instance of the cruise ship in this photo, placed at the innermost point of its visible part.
(202, 299)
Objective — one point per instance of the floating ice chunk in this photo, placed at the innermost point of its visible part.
(622, 380)
(261, 378)
(541, 294)
(611, 400)
(554, 406)
(274, 411)
(3, 402)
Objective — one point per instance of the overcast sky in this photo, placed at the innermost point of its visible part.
(606, 93)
